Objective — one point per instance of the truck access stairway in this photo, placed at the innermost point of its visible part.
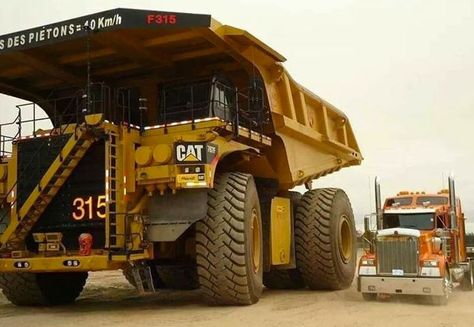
(111, 189)
(47, 188)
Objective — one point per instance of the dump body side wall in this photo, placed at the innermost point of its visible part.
(316, 138)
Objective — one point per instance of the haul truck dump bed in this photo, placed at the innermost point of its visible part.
(173, 142)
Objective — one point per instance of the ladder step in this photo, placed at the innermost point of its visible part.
(143, 279)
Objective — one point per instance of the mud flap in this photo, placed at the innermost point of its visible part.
(170, 215)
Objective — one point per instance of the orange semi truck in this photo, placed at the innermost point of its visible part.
(418, 249)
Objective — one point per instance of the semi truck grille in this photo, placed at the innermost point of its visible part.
(397, 255)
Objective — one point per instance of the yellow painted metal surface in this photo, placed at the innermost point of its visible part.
(302, 122)
(94, 119)
(280, 231)
(3, 180)
(307, 138)
(143, 156)
(3, 172)
(154, 174)
(130, 139)
(49, 264)
(23, 220)
(162, 153)
(305, 123)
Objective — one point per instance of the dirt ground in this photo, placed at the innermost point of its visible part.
(109, 301)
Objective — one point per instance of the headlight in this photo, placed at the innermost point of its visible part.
(367, 262)
(430, 272)
(430, 263)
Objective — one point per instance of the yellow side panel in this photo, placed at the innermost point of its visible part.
(3, 180)
(280, 231)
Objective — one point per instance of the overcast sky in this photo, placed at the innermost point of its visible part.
(403, 72)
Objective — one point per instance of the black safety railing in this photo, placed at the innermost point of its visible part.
(62, 112)
(7, 139)
(202, 99)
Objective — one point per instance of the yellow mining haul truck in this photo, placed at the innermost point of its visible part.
(173, 143)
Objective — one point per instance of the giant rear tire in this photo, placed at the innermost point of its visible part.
(288, 278)
(178, 277)
(325, 239)
(283, 279)
(229, 251)
(42, 289)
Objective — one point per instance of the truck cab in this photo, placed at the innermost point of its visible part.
(418, 247)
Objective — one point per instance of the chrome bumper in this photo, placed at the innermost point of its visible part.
(400, 285)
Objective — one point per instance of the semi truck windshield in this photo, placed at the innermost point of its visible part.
(414, 221)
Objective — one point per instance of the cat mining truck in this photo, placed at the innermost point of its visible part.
(172, 144)
(418, 249)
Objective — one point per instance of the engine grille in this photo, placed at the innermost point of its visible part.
(397, 252)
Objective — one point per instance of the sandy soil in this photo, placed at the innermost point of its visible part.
(109, 301)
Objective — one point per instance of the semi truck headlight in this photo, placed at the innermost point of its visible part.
(367, 262)
(430, 263)
(367, 271)
(430, 272)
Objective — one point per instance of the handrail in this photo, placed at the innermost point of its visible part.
(71, 113)
(246, 107)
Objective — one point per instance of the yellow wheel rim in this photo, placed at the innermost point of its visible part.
(256, 241)
(345, 239)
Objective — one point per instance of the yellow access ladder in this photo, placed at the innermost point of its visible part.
(47, 188)
(112, 184)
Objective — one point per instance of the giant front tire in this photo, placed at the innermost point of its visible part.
(45, 289)
(178, 277)
(229, 249)
(325, 239)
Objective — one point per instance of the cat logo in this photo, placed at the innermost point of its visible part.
(189, 152)
(194, 152)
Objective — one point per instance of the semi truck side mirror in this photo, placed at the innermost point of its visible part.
(369, 231)
(370, 223)
(366, 224)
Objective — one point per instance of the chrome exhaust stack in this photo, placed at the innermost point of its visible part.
(452, 213)
(378, 204)
(452, 202)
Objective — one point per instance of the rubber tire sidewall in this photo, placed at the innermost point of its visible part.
(255, 279)
(341, 207)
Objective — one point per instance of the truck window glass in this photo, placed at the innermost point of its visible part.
(401, 201)
(414, 221)
(433, 200)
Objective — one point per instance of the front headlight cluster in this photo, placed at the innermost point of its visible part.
(367, 262)
(430, 263)
(367, 267)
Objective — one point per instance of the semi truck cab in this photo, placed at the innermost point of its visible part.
(418, 247)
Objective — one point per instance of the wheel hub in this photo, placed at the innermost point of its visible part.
(345, 239)
(256, 241)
